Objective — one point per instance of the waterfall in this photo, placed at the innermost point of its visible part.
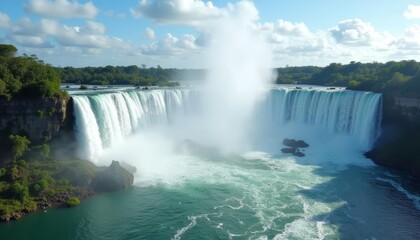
(104, 119)
(353, 113)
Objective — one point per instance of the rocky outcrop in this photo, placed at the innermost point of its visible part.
(113, 178)
(295, 143)
(401, 108)
(37, 119)
(293, 147)
(401, 152)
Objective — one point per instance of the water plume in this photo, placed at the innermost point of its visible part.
(239, 64)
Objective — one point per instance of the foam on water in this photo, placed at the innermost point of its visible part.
(414, 198)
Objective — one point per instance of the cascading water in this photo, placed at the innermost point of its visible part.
(102, 120)
(354, 113)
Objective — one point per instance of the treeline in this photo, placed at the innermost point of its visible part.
(26, 76)
(132, 75)
(392, 77)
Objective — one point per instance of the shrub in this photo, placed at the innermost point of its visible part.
(40, 186)
(19, 145)
(73, 201)
(2, 172)
(19, 191)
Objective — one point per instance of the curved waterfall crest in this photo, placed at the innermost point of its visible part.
(104, 119)
(355, 113)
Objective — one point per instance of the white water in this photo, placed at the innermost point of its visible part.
(104, 120)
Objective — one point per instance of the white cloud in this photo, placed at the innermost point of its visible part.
(120, 15)
(32, 34)
(149, 34)
(62, 8)
(353, 32)
(4, 20)
(410, 39)
(288, 37)
(356, 33)
(289, 28)
(30, 41)
(412, 12)
(244, 9)
(92, 35)
(41, 33)
(93, 28)
(192, 12)
(171, 45)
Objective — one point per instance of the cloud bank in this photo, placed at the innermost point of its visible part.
(61, 9)
(49, 29)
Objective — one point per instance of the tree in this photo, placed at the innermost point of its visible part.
(19, 191)
(19, 145)
(43, 150)
(7, 50)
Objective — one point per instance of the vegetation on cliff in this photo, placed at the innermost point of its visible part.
(26, 76)
(397, 78)
(29, 186)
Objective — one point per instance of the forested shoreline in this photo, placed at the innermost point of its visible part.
(396, 78)
(118, 75)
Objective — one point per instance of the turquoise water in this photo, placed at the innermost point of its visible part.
(254, 195)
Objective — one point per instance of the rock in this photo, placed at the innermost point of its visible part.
(298, 154)
(288, 150)
(113, 178)
(128, 167)
(37, 118)
(295, 144)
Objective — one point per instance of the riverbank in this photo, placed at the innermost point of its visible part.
(36, 186)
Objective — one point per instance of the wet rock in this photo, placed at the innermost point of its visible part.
(288, 150)
(298, 154)
(295, 143)
(113, 178)
(128, 167)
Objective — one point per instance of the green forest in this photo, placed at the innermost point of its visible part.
(26, 76)
(397, 78)
(108, 75)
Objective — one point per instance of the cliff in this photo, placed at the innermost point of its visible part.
(113, 178)
(397, 146)
(37, 119)
(406, 108)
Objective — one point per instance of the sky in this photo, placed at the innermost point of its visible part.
(176, 33)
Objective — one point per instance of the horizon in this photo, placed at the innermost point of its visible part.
(174, 33)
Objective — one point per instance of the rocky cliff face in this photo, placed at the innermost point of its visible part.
(397, 146)
(38, 119)
(406, 108)
(113, 178)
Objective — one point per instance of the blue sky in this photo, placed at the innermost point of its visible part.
(172, 33)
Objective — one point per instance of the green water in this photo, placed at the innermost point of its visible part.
(252, 196)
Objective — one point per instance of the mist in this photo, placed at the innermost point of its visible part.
(239, 65)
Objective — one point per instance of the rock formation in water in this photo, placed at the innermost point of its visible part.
(113, 178)
(295, 143)
(293, 147)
